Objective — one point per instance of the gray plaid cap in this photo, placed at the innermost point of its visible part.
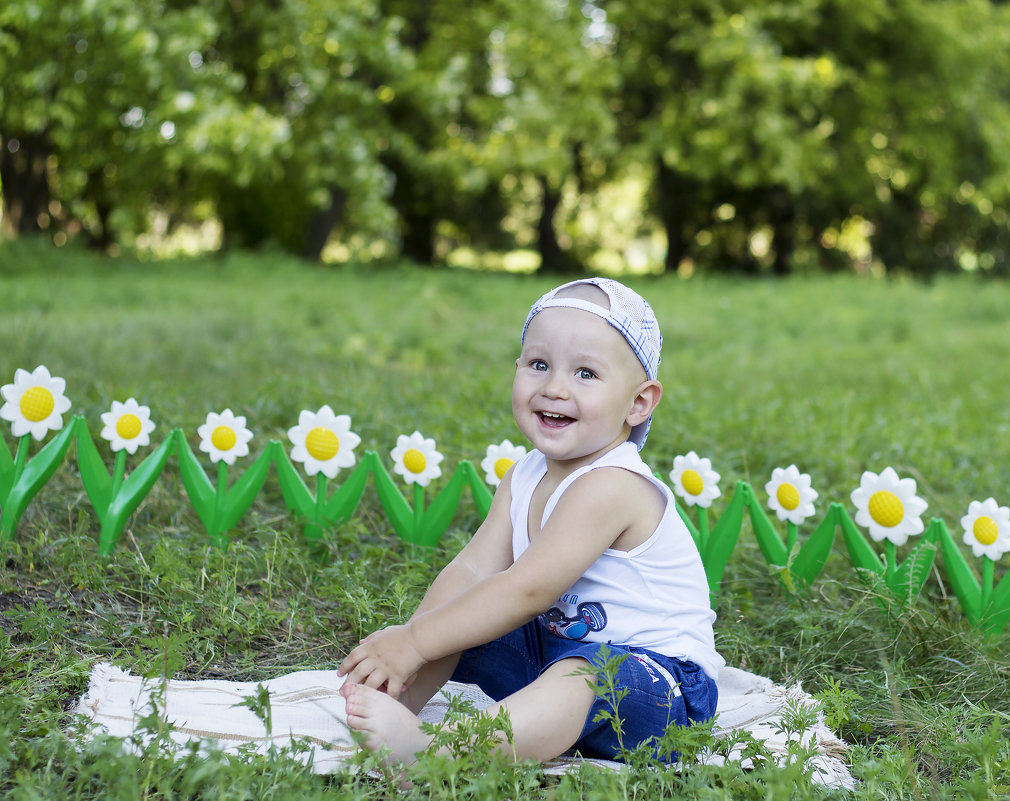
(629, 313)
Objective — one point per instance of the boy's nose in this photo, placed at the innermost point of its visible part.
(555, 386)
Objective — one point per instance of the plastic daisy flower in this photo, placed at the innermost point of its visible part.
(224, 436)
(987, 528)
(323, 441)
(35, 402)
(790, 495)
(128, 426)
(416, 459)
(694, 480)
(888, 506)
(499, 459)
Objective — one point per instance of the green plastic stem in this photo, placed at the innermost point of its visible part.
(890, 557)
(221, 498)
(118, 470)
(703, 524)
(320, 498)
(988, 573)
(418, 509)
(21, 457)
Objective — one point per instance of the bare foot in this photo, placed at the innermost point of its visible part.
(385, 723)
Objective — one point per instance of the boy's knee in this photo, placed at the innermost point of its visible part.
(573, 667)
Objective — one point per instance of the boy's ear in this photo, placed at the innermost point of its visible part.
(647, 397)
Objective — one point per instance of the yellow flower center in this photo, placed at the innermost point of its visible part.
(414, 461)
(501, 467)
(223, 438)
(128, 426)
(886, 508)
(985, 530)
(692, 482)
(322, 444)
(37, 404)
(788, 496)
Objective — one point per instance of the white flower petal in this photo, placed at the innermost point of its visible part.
(225, 419)
(911, 506)
(702, 470)
(13, 412)
(339, 426)
(504, 453)
(430, 456)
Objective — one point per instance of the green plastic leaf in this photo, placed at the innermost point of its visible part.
(441, 511)
(967, 589)
(244, 491)
(482, 496)
(767, 537)
(813, 553)
(198, 487)
(345, 499)
(94, 474)
(135, 488)
(911, 574)
(723, 538)
(860, 552)
(997, 613)
(400, 515)
(6, 469)
(296, 495)
(36, 473)
(691, 527)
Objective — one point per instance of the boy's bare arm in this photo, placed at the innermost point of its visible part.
(591, 516)
(388, 657)
(488, 551)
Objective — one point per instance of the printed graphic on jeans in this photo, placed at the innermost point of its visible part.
(588, 617)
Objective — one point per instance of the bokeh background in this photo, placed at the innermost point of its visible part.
(605, 135)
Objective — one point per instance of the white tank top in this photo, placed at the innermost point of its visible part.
(654, 596)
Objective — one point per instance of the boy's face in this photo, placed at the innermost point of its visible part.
(576, 392)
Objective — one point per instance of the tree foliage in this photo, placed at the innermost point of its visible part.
(774, 135)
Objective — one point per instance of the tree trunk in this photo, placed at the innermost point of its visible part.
(674, 198)
(782, 216)
(25, 181)
(322, 224)
(99, 237)
(553, 258)
(418, 235)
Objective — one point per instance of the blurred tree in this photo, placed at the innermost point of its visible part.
(734, 126)
(439, 176)
(552, 71)
(85, 106)
(793, 118)
(292, 150)
(774, 133)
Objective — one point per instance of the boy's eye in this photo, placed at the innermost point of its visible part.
(538, 364)
(585, 373)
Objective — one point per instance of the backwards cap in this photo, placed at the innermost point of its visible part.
(629, 313)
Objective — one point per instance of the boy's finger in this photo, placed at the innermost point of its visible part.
(349, 663)
(375, 679)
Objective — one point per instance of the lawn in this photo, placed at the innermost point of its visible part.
(837, 374)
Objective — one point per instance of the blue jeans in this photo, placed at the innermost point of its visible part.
(659, 690)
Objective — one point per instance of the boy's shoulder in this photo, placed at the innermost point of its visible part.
(614, 482)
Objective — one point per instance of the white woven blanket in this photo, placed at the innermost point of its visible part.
(307, 706)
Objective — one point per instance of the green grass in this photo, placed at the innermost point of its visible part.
(837, 374)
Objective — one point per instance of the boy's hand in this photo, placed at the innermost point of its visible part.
(387, 657)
